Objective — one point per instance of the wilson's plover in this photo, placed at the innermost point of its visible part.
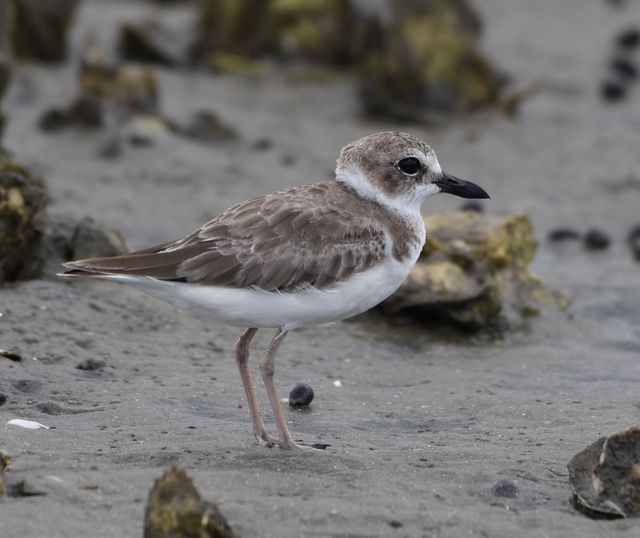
(300, 256)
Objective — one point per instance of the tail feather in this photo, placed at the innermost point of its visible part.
(156, 263)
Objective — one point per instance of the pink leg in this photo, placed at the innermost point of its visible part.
(242, 357)
(267, 369)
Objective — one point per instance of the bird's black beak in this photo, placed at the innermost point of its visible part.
(460, 187)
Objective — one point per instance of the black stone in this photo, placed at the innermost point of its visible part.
(394, 524)
(15, 357)
(596, 240)
(301, 395)
(633, 239)
(629, 38)
(613, 90)
(624, 67)
(91, 364)
(505, 488)
(3, 399)
(563, 234)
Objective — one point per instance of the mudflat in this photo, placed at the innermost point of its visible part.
(429, 436)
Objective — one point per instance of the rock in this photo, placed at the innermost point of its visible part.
(427, 64)
(624, 67)
(414, 58)
(596, 240)
(150, 42)
(629, 38)
(23, 201)
(146, 130)
(301, 395)
(91, 365)
(318, 31)
(505, 488)
(473, 270)
(5, 461)
(92, 240)
(15, 357)
(40, 29)
(633, 240)
(86, 111)
(604, 476)
(563, 234)
(613, 90)
(3, 399)
(175, 508)
(206, 126)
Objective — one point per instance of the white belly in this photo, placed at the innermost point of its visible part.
(259, 308)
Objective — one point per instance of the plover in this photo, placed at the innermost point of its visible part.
(297, 257)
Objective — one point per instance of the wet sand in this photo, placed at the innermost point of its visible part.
(422, 427)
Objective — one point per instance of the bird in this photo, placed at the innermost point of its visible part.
(300, 256)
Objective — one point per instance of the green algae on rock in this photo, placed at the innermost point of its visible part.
(605, 476)
(474, 270)
(23, 201)
(175, 509)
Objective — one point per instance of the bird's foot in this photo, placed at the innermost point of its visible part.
(264, 439)
(290, 444)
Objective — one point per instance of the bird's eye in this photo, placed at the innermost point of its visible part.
(409, 166)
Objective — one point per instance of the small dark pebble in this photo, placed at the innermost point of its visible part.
(91, 364)
(624, 67)
(634, 241)
(472, 206)
(629, 38)
(394, 524)
(262, 144)
(563, 234)
(301, 395)
(505, 488)
(613, 90)
(15, 357)
(3, 399)
(596, 240)
(320, 446)
(288, 160)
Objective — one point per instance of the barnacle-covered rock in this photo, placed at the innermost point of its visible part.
(310, 30)
(429, 59)
(474, 270)
(106, 91)
(175, 509)
(40, 29)
(22, 205)
(5, 461)
(605, 476)
(416, 60)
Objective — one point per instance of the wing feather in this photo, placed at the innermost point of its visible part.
(281, 241)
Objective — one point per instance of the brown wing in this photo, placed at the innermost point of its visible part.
(288, 239)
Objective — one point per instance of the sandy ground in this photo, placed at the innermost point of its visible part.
(422, 428)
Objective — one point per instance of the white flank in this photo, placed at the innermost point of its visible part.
(28, 424)
(259, 308)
